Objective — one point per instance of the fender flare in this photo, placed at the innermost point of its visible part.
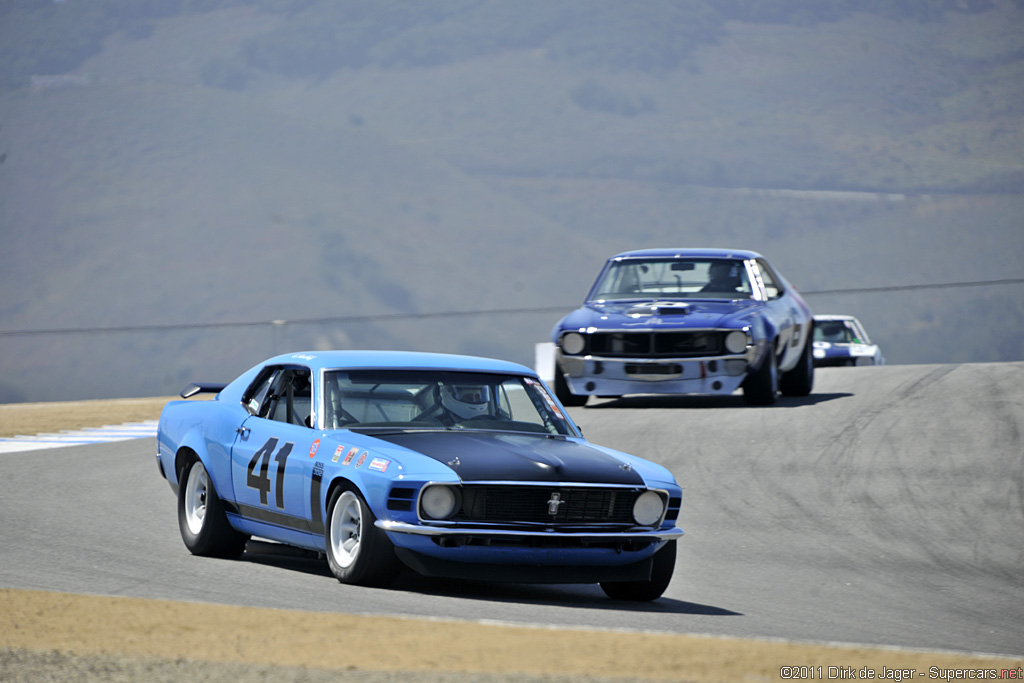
(194, 444)
(765, 335)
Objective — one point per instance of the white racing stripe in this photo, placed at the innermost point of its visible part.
(105, 434)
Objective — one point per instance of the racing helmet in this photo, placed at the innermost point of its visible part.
(720, 270)
(466, 400)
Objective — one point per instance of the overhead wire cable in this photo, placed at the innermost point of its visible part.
(385, 317)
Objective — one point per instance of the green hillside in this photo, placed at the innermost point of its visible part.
(396, 174)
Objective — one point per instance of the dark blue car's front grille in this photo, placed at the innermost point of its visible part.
(544, 504)
(655, 344)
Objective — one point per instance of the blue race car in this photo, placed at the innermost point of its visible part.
(451, 466)
(686, 321)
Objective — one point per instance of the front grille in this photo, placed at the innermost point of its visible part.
(546, 504)
(656, 344)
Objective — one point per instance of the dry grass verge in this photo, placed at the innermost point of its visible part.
(235, 638)
(38, 418)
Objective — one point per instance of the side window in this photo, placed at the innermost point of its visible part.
(255, 397)
(772, 286)
(289, 398)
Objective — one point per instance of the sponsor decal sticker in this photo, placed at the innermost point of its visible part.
(379, 464)
(314, 447)
(362, 458)
(337, 453)
(547, 397)
(351, 454)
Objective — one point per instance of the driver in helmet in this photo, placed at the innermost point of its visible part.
(465, 401)
(722, 278)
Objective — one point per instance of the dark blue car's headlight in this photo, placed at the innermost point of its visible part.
(737, 341)
(573, 343)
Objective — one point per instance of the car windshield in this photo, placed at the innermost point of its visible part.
(427, 399)
(673, 279)
(837, 332)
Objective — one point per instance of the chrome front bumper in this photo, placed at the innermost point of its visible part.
(477, 531)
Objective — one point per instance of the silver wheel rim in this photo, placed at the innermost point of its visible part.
(195, 497)
(346, 529)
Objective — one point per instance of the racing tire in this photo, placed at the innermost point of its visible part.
(800, 380)
(357, 551)
(567, 398)
(201, 519)
(645, 591)
(762, 387)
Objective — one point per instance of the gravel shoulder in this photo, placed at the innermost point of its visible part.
(38, 418)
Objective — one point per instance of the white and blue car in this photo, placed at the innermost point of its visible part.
(841, 340)
(385, 461)
(686, 321)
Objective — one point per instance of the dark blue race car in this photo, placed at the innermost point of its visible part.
(686, 321)
(446, 465)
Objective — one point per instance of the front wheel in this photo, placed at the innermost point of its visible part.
(645, 591)
(201, 519)
(357, 551)
(762, 387)
(800, 380)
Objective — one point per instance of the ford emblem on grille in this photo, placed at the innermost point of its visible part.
(556, 500)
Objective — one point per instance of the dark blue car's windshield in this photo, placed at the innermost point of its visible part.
(673, 279)
(435, 399)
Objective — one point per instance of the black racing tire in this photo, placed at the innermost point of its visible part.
(568, 399)
(201, 519)
(762, 387)
(357, 551)
(645, 591)
(800, 380)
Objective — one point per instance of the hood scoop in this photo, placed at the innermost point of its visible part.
(659, 308)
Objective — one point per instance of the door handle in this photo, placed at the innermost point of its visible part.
(243, 431)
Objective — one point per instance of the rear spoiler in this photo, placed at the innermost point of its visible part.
(202, 388)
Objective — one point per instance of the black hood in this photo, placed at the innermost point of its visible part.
(484, 456)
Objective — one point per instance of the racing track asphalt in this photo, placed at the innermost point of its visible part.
(885, 509)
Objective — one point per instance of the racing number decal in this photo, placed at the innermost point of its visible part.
(261, 481)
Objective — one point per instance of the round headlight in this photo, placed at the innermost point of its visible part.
(438, 502)
(648, 508)
(736, 342)
(573, 343)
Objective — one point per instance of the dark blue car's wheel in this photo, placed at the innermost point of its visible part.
(645, 591)
(204, 526)
(357, 551)
(800, 380)
(762, 387)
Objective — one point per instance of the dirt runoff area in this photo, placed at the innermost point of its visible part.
(40, 418)
(60, 637)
